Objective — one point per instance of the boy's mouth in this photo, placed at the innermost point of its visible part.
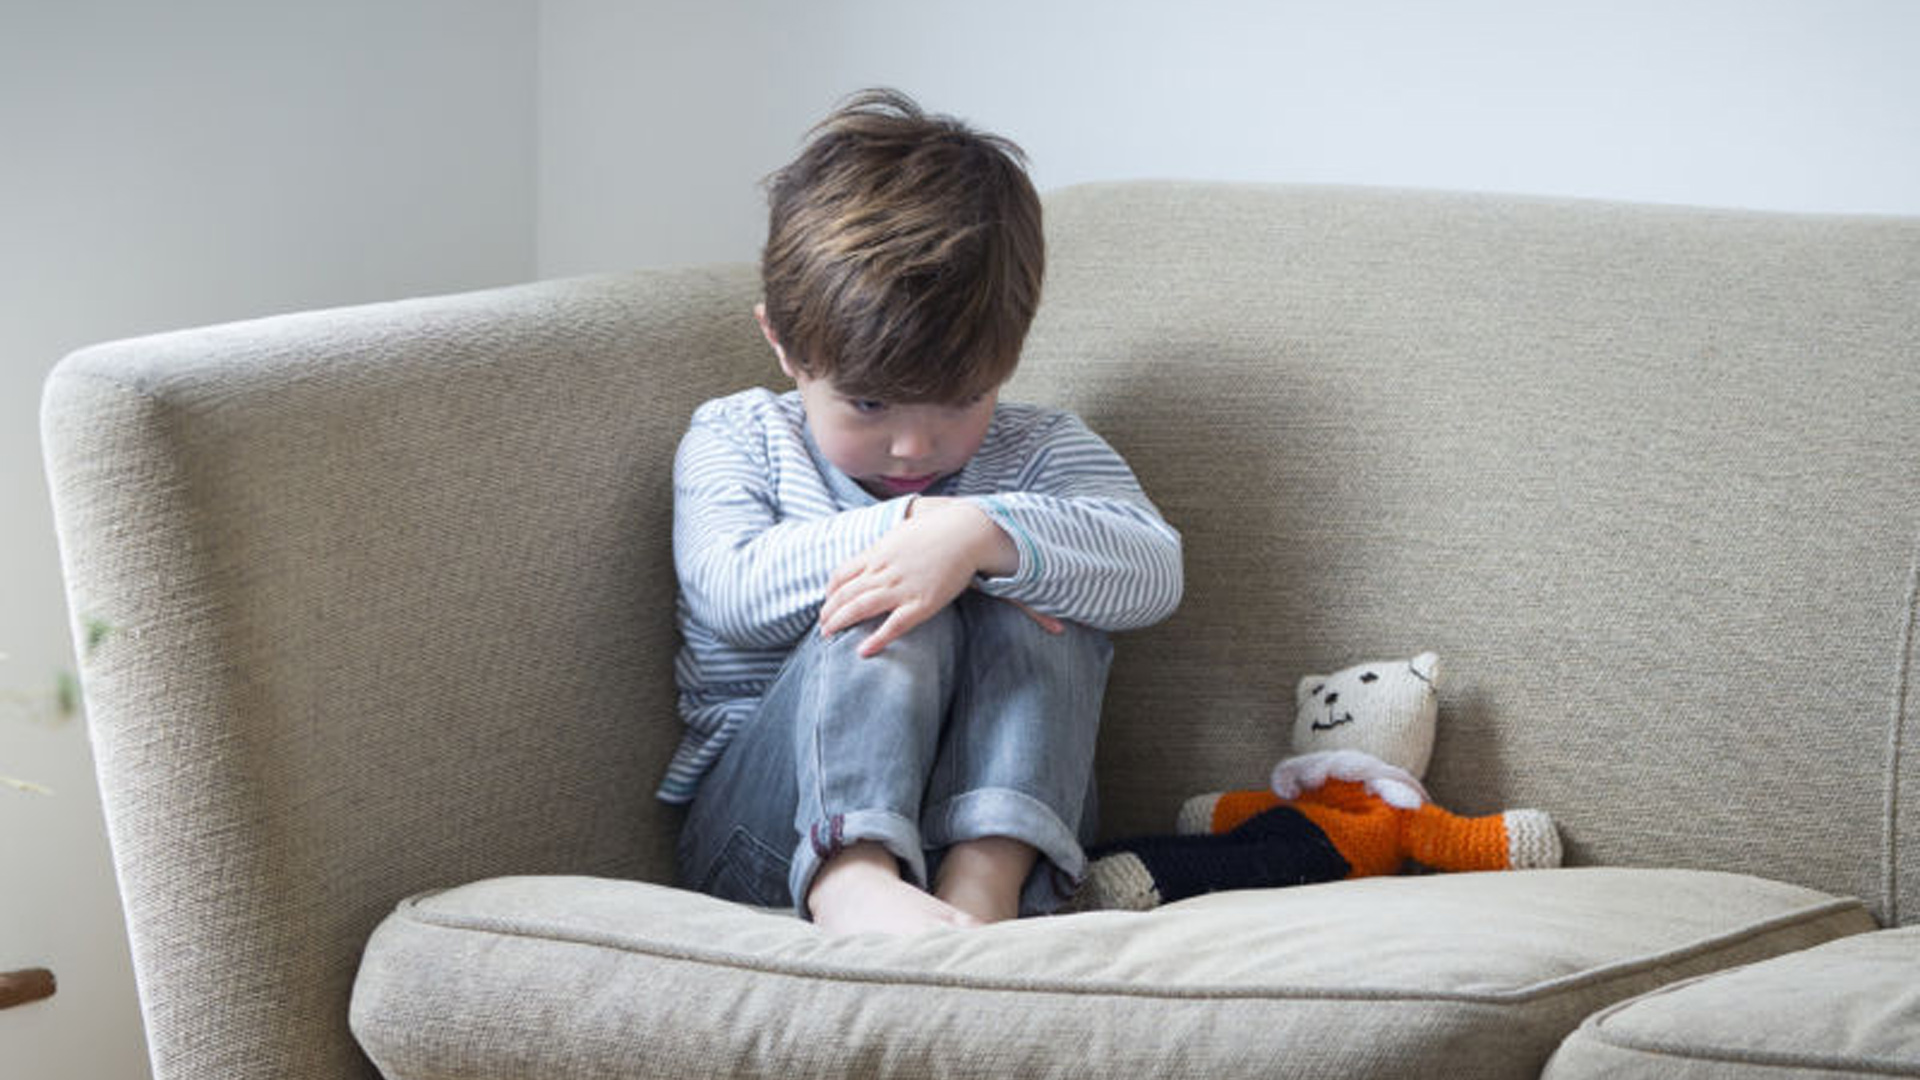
(907, 485)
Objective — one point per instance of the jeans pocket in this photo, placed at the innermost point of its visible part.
(748, 871)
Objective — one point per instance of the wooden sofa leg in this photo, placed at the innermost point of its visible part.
(20, 987)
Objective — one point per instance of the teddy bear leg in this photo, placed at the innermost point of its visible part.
(1278, 847)
(1118, 882)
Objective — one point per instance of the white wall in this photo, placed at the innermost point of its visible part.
(163, 165)
(657, 120)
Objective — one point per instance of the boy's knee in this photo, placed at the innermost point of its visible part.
(1080, 635)
(1089, 648)
(1009, 628)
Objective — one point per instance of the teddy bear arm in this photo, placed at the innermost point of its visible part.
(1447, 841)
(1224, 811)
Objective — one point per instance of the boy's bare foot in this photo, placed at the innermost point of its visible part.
(860, 890)
(983, 877)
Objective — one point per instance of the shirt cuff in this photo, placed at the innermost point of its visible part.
(1028, 551)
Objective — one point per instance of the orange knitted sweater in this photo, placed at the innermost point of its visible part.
(1376, 837)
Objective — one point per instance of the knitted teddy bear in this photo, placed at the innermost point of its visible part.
(1349, 805)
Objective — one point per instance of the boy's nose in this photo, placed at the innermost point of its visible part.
(911, 444)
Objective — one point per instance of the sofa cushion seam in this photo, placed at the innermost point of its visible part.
(1532, 992)
(1830, 910)
(1599, 1031)
(1896, 741)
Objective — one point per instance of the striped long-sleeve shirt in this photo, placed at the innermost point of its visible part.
(761, 520)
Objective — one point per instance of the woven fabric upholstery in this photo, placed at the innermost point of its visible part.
(392, 598)
(1644, 478)
(390, 593)
(1383, 977)
(1841, 1011)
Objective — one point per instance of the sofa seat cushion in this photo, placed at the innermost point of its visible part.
(1850, 1008)
(562, 977)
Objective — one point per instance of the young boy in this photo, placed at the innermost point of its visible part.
(894, 589)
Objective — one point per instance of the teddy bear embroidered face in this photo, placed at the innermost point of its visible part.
(1389, 709)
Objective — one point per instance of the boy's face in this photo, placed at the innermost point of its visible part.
(889, 448)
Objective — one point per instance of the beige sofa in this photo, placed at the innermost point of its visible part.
(389, 608)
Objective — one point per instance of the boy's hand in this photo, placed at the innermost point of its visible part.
(916, 569)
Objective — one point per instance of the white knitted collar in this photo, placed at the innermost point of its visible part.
(1307, 772)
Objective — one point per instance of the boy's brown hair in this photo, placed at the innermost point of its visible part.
(904, 254)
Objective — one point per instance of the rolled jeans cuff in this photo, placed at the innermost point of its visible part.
(829, 836)
(1018, 816)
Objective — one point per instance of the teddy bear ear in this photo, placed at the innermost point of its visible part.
(1427, 666)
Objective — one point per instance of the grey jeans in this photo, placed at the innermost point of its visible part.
(975, 723)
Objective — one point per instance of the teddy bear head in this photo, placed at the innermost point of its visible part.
(1388, 709)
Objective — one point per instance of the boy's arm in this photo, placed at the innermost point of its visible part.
(748, 574)
(929, 558)
(1092, 547)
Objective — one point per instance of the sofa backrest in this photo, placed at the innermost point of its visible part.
(386, 604)
(386, 592)
(1648, 479)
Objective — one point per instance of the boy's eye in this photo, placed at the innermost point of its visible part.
(867, 406)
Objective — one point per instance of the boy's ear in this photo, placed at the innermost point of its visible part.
(766, 330)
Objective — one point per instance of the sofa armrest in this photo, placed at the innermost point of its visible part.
(378, 599)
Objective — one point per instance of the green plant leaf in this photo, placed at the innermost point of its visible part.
(98, 630)
(66, 695)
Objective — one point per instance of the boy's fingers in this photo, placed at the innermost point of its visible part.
(851, 610)
(846, 572)
(836, 601)
(1047, 622)
(841, 592)
(903, 619)
(833, 616)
